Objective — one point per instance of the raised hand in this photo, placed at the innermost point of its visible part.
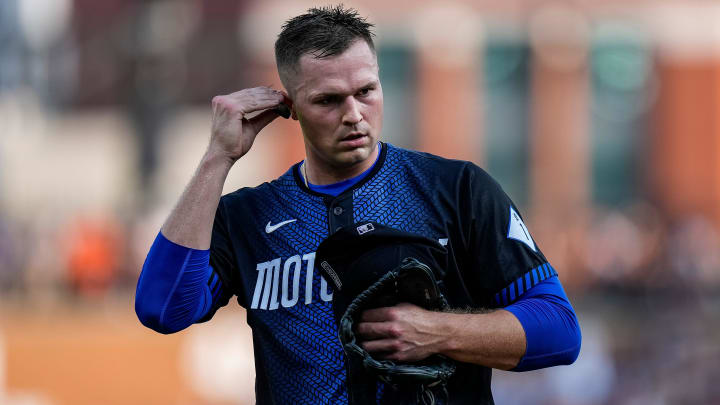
(236, 121)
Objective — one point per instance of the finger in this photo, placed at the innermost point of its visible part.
(261, 104)
(376, 315)
(261, 120)
(257, 99)
(215, 102)
(374, 330)
(253, 92)
(250, 103)
(383, 346)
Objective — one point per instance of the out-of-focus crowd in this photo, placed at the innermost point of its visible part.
(85, 257)
(625, 251)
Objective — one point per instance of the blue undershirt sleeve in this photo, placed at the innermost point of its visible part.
(177, 287)
(551, 326)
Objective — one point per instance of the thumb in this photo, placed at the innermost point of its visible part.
(261, 120)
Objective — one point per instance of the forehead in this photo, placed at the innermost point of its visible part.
(357, 66)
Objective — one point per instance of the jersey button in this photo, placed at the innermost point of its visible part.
(337, 210)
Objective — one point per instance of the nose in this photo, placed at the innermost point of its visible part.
(351, 113)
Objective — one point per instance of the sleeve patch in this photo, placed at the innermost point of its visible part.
(518, 231)
(512, 292)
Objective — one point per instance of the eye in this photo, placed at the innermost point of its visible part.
(326, 100)
(365, 91)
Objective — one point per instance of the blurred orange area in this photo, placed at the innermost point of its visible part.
(91, 358)
(81, 356)
(93, 248)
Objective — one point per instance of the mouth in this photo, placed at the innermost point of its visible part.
(353, 136)
(354, 140)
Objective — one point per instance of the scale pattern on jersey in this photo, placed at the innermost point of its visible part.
(302, 355)
(399, 195)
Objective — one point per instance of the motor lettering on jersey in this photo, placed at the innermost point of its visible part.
(309, 269)
(290, 297)
(278, 283)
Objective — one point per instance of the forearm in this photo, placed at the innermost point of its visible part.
(190, 222)
(495, 339)
(176, 287)
(408, 333)
(539, 330)
(232, 135)
(549, 331)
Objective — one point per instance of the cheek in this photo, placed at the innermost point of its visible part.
(317, 124)
(375, 109)
(324, 122)
(376, 100)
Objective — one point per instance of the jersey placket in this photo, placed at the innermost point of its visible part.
(340, 211)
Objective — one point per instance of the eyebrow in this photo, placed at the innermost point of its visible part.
(332, 93)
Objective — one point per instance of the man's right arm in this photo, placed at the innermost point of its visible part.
(232, 136)
(175, 288)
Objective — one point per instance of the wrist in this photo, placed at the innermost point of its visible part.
(451, 326)
(213, 159)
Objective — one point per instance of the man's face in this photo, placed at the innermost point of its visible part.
(339, 104)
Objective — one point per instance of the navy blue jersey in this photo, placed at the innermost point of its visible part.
(263, 249)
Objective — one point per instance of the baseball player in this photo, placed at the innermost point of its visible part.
(259, 244)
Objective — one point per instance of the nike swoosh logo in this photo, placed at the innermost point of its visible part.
(272, 228)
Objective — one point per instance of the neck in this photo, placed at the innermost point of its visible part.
(321, 175)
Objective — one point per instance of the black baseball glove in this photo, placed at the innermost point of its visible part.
(372, 266)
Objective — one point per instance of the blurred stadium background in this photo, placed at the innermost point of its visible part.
(600, 118)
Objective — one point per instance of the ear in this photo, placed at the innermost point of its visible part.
(289, 102)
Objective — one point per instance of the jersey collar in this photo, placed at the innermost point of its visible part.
(372, 171)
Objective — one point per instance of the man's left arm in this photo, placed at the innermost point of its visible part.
(533, 324)
(538, 330)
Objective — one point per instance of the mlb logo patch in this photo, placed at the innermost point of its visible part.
(363, 229)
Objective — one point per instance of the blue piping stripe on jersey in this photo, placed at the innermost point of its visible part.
(509, 294)
(175, 285)
(215, 289)
(520, 286)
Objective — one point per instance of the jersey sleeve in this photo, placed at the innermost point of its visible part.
(505, 259)
(222, 254)
(551, 327)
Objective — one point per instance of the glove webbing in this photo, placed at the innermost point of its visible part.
(425, 378)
